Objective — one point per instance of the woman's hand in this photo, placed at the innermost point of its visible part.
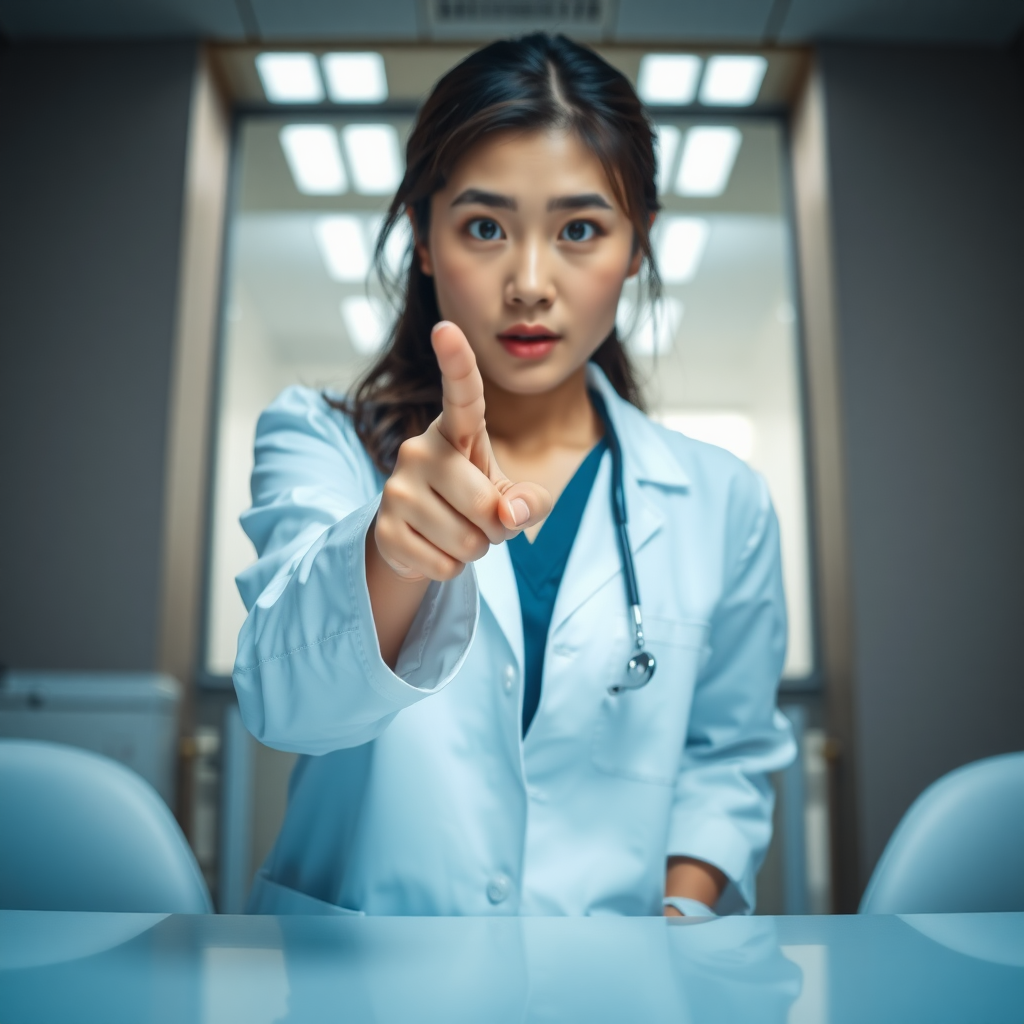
(445, 503)
(447, 500)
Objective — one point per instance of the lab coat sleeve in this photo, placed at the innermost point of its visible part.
(722, 811)
(309, 674)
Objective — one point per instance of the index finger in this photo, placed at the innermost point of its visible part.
(462, 387)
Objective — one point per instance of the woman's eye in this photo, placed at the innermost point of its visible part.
(485, 229)
(579, 231)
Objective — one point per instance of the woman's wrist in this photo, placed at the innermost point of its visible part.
(394, 601)
(694, 879)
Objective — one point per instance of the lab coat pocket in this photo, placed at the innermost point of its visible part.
(270, 897)
(640, 734)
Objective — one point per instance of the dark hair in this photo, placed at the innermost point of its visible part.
(533, 83)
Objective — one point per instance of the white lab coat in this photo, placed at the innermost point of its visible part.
(417, 794)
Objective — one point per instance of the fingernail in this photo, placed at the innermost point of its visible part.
(520, 511)
(440, 324)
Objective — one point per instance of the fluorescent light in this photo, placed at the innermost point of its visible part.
(668, 137)
(732, 81)
(708, 157)
(374, 157)
(342, 241)
(366, 323)
(730, 430)
(668, 78)
(355, 77)
(680, 246)
(655, 331)
(314, 158)
(290, 77)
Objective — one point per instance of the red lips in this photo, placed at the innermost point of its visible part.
(528, 332)
(528, 341)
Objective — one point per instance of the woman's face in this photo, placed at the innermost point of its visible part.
(529, 250)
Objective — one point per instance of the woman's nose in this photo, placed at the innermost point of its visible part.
(531, 282)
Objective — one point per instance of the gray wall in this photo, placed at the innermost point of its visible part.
(926, 149)
(92, 157)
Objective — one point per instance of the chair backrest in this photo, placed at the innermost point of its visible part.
(82, 832)
(960, 847)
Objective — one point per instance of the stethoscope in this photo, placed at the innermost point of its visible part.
(642, 665)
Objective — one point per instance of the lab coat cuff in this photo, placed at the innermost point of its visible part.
(438, 640)
(718, 842)
(688, 907)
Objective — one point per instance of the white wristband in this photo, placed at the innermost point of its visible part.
(688, 907)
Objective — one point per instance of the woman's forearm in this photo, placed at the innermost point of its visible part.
(394, 601)
(693, 879)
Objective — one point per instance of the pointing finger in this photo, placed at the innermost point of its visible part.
(462, 402)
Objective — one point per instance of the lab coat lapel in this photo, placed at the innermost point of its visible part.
(497, 582)
(595, 556)
(646, 460)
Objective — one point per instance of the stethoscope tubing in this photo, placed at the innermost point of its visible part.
(642, 665)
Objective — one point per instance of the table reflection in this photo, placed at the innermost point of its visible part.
(503, 970)
(265, 970)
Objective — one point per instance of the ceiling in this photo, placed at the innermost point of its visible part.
(741, 22)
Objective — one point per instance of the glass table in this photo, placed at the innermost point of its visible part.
(77, 967)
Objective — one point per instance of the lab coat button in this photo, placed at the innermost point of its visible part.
(498, 888)
(510, 678)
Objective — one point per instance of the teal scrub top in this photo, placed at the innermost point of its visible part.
(539, 567)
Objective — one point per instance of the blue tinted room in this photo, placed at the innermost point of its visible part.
(355, 360)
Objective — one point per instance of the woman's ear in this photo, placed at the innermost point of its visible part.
(638, 255)
(420, 248)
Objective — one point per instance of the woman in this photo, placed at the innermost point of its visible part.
(452, 661)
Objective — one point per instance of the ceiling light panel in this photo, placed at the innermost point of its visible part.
(374, 157)
(709, 154)
(733, 81)
(314, 158)
(355, 77)
(366, 323)
(667, 136)
(668, 78)
(343, 246)
(290, 77)
(680, 247)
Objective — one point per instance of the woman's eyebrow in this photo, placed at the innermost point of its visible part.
(476, 195)
(579, 202)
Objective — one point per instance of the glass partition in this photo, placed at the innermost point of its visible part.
(719, 355)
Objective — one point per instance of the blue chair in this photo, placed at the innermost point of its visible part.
(960, 847)
(82, 832)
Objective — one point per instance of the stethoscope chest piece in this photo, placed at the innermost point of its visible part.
(638, 673)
